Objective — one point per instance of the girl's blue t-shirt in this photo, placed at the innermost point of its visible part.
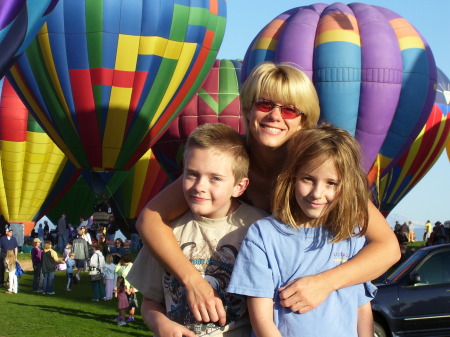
(274, 254)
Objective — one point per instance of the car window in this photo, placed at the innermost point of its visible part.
(435, 269)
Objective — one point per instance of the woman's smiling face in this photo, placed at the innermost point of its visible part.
(270, 129)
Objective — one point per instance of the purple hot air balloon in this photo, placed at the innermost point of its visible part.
(373, 71)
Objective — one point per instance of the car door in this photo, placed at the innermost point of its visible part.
(425, 305)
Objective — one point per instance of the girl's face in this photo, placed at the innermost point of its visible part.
(316, 188)
(270, 129)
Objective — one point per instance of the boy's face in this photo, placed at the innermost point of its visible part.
(208, 183)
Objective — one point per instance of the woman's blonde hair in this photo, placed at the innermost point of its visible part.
(348, 214)
(11, 257)
(284, 83)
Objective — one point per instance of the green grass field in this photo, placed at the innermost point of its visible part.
(65, 314)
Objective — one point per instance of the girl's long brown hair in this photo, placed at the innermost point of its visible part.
(348, 214)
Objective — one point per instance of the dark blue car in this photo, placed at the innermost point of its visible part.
(414, 300)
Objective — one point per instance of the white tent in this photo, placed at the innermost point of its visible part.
(51, 225)
(119, 234)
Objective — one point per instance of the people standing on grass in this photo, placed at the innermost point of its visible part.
(36, 260)
(70, 263)
(98, 262)
(7, 241)
(49, 261)
(10, 264)
(108, 276)
(63, 232)
(122, 269)
(40, 232)
(81, 250)
(429, 229)
(121, 293)
(411, 234)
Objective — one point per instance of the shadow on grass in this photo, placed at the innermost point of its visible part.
(105, 319)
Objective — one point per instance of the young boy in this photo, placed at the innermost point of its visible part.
(210, 233)
(70, 263)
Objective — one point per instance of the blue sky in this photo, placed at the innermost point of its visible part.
(429, 199)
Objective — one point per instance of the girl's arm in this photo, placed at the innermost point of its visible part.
(158, 236)
(261, 316)
(380, 253)
(365, 321)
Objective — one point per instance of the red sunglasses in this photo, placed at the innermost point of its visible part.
(287, 111)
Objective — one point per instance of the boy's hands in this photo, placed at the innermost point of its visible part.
(204, 302)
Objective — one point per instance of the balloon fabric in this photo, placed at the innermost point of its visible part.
(30, 162)
(104, 79)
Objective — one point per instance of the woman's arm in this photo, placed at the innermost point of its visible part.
(261, 316)
(380, 253)
(158, 236)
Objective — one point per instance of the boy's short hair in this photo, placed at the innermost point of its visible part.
(126, 258)
(71, 254)
(223, 139)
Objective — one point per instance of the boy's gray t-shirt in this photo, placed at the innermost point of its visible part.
(212, 246)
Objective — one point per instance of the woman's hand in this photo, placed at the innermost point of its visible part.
(306, 293)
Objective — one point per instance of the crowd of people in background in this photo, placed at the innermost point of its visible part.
(432, 235)
(82, 249)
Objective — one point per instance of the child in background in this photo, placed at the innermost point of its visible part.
(121, 293)
(70, 263)
(10, 264)
(319, 216)
(108, 276)
(67, 251)
(122, 269)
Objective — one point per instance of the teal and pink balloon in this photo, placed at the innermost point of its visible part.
(20, 20)
(373, 71)
(397, 181)
(217, 101)
(104, 76)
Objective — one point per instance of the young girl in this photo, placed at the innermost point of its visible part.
(121, 292)
(108, 275)
(319, 216)
(67, 251)
(10, 264)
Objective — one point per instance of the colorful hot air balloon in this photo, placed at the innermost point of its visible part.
(373, 71)
(76, 200)
(20, 20)
(144, 180)
(217, 101)
(104, 76)
(30, 161)
(398, 180)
